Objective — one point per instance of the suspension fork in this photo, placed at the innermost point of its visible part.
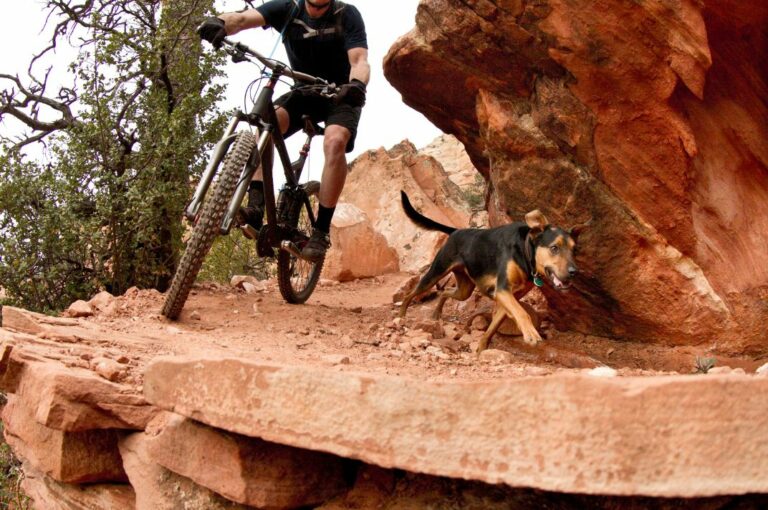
(244, 180)
(213, 164)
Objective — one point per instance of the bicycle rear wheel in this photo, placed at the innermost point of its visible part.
(208, 223)
(298, 278)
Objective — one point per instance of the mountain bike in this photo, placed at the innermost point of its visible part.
(289, 218)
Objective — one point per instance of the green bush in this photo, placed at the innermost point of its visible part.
(11, 475)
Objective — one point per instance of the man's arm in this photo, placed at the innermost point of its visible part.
(234, 22)
(358, 60)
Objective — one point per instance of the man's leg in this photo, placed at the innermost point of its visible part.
(334, 175)
(253, 213)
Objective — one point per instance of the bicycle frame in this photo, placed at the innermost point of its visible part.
(264, 117)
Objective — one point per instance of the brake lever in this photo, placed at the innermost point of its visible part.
(237, 53)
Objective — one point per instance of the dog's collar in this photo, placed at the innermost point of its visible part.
(530, 261)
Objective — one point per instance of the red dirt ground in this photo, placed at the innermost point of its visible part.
(349, 326)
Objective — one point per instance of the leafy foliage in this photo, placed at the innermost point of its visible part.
(233, 255)
(105, 210)
(11, 476)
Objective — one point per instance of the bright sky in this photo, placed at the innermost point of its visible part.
(385, 121)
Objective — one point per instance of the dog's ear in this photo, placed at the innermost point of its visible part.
(536, 221)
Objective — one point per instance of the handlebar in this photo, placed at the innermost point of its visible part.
(240, 53)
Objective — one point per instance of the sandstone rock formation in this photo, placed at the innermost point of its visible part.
(374, 183)
(232, 410)
(645, 119)
(358, 251)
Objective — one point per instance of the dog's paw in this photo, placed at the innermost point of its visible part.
(532, 337)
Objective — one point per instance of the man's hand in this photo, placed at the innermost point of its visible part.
(352, 93)
(213, 31)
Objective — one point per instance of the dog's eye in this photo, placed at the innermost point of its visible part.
(554, 249)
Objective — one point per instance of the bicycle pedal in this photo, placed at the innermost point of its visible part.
(249, 231)
(291, 248)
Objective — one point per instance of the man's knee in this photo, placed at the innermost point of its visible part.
(283, 119)
(335, 140)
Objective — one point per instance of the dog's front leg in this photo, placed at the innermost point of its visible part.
(515, 310)
(498, 315)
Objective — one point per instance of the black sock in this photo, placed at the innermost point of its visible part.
(256, 194)
(324, 217)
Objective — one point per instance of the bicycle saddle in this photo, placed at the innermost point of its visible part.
(311, 127)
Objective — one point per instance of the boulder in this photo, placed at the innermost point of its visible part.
(652, 136)
(357, 250)
(373, 185)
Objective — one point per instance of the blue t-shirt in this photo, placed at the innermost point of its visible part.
(317, 46)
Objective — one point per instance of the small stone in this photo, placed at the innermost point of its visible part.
(357, 309)
(496, 356)
(762, 369)
(336, 359)
(79, 308)
(368, 341)
(173, 330)
(420, 343)
(101, 300)
(720, 370)
(603, 372)
(195, 315)
(107, 368)
(480, 323)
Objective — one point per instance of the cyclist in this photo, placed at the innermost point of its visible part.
(324, 38)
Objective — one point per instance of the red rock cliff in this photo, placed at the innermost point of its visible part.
(649, 119)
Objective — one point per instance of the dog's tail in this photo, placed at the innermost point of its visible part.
(421, 220)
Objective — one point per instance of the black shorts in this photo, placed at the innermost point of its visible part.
(320, 109)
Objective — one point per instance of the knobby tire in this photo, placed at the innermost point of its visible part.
(208, 223)
(298, 278)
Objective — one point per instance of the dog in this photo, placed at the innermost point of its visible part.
(503, 263)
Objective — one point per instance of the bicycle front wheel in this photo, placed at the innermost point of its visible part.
(208, 223)
(298, 278)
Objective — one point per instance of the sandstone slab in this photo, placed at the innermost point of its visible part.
(157, 488)
(33, 323)
(666, 436)
(68, 398)
(245, 469)
(48, 494)
(69, 457)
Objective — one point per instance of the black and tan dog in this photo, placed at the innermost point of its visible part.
(504, 263)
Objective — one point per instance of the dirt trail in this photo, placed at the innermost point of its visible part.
(349, 326)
